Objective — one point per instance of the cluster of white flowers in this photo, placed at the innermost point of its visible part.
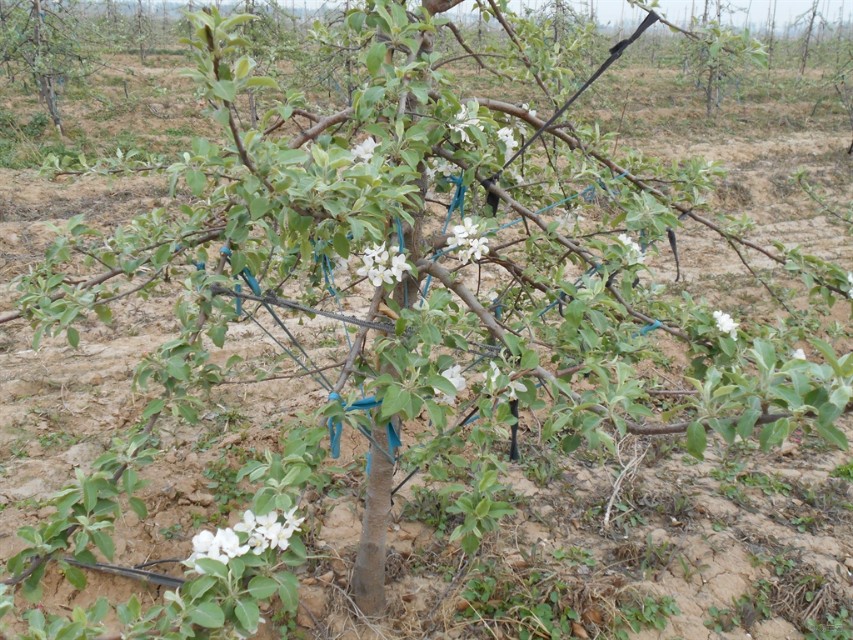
(725, 323)
(442, 167)
(383, 266)
(261, 533)
(467, 119)
(363, 152)
(493, 384)
(454, 374)
(507, 136)
(635, 254)
(850, 283)
(799, 354)
(466, 236)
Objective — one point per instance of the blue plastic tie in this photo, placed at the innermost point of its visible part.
(239, 301)
(336, 429)
(657, 324)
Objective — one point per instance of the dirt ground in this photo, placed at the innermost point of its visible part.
(748, 544)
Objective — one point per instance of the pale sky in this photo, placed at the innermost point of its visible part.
(615, 12)
(678, 11)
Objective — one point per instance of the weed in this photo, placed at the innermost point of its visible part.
(647, 613)
(542, 468)
(222, 480)
(430, 507)
(722, 620)
(57, 439)
(575, 556)
(535, 602)
(843, 471)
(172, 532)
(836, 627)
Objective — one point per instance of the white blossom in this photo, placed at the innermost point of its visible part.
(381, 268)
(363, 152)
(229, 542)
(279, 536)
(850, 284)
(507, 136)
(634, 255)
(202, 542)
(462, 232)
(725, 323)
(291, 523)
(527, 108)
(466, 119)
(248, 524)
(454, 375)
(492, 383)
(257, 542)
(443, 167)
(263, 533)
(799, 354)
(399, 266)
(477, 248)
(466, 237)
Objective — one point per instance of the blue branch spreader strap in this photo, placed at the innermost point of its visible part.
(247, 276)
(657, 324)
(336, 426)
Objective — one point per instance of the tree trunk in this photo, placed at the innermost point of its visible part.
(140, 32)
(43, 77)
(808, 38)
(368, 580)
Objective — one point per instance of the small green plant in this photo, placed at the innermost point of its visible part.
(646, 613)
(535, 602)
(575, 556)
(172, 532)
(223, 482)
(843, 471)
(429, 506)
(722, 620)
(836, 627)
(57, 439)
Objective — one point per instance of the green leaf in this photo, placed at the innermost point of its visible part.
(697, 440)
(341, 245)
(375, 58)
(529, 360)
(196, 181)
(248, 614)
(261, 587)
(212, 567)
(442, 384)
(261, 82)
(224, 90)
(155, 406)
(570, 443)
(73, 336)
(104, 543)
(833, 435)
(207, 615)
(217, 334)
(138, 507)
(76, 577)
(288, 591)
(394, 400)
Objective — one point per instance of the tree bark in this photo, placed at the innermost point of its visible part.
(368, 581)
(808, 38)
